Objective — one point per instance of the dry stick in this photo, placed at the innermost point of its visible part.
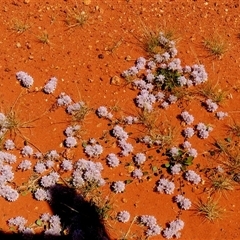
(128, 231)
(16, 100)
(62, 178)
(195, 55)
(74, 210)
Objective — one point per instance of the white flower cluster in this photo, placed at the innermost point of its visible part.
(140, 63)
(143, 85)
(75, 107)
(6, 175)
(203, 130)
(151, 222)
(25, 79)
(123, 216)
(41, 194)
(192, 177)
(211, 106)
(174, 151)
(52, 155)
(4, 124)
(93, 150)
(102, 112)
(119, 133)
(145, 99)
(198, 74)
(130, 120)
(165, 186)
(70, 142)
(50, 179)
(137, 173)
(64, 99)
(139, 158)
(25, 165)
(183, 203)
(112, 160)
(118, 186)
(188, 132)
(50, 86)
(7, 157)
(40, 167)
(87, 172)
(192, 152)
(66, 165)
(54, 227)
(132, 71)
(70, 131)
(221, 115)
(18, 222)
(9, 144)
(173, 229)
(176, 169)
(186, 145)
(126, 148)
(150, 141)
(187, 118)
(27, 151)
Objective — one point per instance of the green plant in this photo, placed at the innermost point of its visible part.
(19, 26)
(160, 133)
(148, 119)
(76, 18)
(221, 183)
(151, 40)
(234, 129)
(111, 49)
(170, 79)
(216, 45)
(209, 209)
(43, 37)
(181, 157)
(103, 206)
(211, 90)
(80, 114)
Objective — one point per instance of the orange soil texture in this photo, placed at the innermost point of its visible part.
(87, 45)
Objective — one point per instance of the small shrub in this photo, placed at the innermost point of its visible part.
(216, 45)
(211, 91)
(43, 37)
(209, 210)
(19, 26)
(76, 18)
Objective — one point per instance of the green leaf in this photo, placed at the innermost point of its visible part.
(227, 139)
(128, 181)
(145, 173)
(154, 169)
(188, 161)
(84, 144)
(39, 222)
(167, 165)
(12, 229)
(24, 193)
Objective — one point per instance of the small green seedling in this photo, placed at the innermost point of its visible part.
(216, 45)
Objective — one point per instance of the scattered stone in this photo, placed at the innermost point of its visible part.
(87, 2)
(128, 58)
(115, 80)
(100, 56)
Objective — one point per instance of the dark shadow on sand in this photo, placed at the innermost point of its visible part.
(79, 218)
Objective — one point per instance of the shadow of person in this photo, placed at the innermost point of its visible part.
(79, 218)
